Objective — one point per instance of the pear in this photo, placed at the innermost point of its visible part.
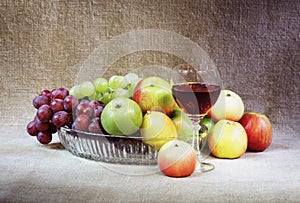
(157, 129)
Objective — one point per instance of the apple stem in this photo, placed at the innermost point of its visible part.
(176, 145)
(118, 106)
(229, 122)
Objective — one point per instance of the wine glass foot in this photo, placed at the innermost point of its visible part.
(204, 167)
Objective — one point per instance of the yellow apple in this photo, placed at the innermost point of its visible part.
(229, 106)
(228, 139)
(157, 129)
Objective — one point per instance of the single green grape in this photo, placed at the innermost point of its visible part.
(101, 85)
(114, 81)
(75, 92)
(117, 81)
(120, 92)
(132, 78)
(106, 97)
(72, 91)
(123, 83)
(87, 88)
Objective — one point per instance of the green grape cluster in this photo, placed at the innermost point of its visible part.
(102, 89)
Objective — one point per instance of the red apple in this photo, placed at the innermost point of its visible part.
(177, 158)
(154, 94)
(259, 131)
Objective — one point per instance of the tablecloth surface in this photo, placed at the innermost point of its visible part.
(30, 172)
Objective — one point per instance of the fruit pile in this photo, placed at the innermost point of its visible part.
(232, 131)
(121, 105)
(129, 105)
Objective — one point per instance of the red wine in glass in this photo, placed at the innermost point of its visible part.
(196, 98)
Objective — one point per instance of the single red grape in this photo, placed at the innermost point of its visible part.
(86, 109)
(94, 126)
(70, 103)
(94, 103)
(44, 137)
(64, 91)
(61, 118)
(44, 113)
(40, 100)
(98, 110)
(47, 93)
(57, 105)
(82, 123)
(31, 129)
(59, 93)
(41, 126)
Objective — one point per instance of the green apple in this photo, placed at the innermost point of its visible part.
(121, 116)
(183, 125)
(208, 122)
(154, 94)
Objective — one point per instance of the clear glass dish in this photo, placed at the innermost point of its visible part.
(112, 149)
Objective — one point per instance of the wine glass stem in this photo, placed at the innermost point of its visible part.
(202, 166)
(195, 143)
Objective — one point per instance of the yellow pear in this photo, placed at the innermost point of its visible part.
(157, 129)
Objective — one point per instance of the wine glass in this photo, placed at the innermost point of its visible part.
(196, 89)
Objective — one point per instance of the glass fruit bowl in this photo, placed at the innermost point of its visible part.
(113, 149)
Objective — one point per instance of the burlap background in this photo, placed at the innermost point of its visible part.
(255, 44)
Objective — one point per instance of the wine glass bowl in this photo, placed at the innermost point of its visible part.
(196, 89)
(195, 98)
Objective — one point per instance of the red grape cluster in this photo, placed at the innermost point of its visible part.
(57, 108)
(87, 116)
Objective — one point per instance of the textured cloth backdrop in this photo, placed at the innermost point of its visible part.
(254, 43)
